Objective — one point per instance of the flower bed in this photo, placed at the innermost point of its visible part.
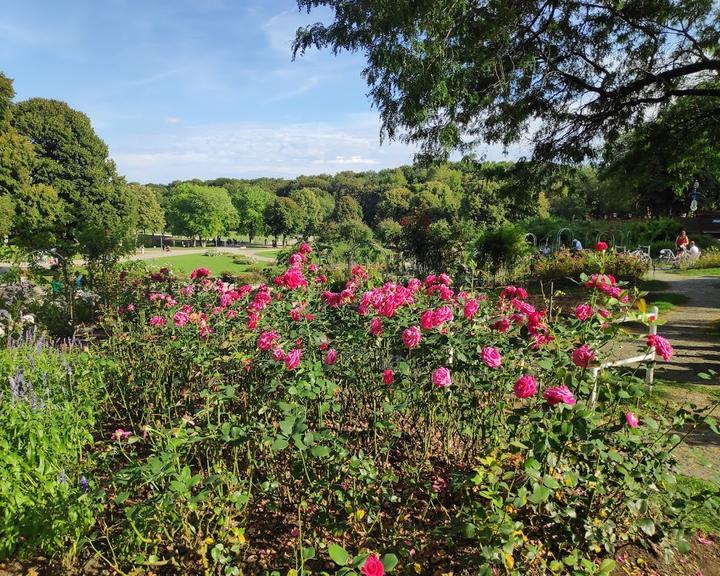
(405, 426)
(563, 266)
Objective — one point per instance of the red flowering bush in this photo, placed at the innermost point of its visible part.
(413, 422)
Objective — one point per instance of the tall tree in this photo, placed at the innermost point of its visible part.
(284, 217)
(450, 73)
(309, 202)
(654, 166)
(150, 214)
(95, 213)
(200, 211)
(250, 202)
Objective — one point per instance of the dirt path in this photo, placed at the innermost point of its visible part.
(690, 329)
(696, 341)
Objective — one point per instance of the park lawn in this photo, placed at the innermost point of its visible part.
(700, 272)
(184, 264)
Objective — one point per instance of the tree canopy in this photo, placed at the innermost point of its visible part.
(450, 73)
(84, 204)
(199, 210)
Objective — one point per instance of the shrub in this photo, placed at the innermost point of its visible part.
(504, 246)
(48, 408)
(708, 259)
(243, 260)
(563, 266)
(299, 427)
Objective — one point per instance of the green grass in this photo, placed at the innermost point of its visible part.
(185, 264)
(666, 301)
(272, 253)
(700, 272)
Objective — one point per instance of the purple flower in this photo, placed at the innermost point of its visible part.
(84, 484)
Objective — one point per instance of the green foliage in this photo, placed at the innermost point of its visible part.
(437, 245)
(347, 209)
(655, 165)
(283, 217)
(250, 203)
(203, 211)
(519, 486)
(564, 265)
(389, 231)
(93, 213)
(447, 74)
(49, 408)
(504, 246)
(146, 204)
(312, 210)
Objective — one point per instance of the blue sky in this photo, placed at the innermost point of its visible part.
(198, 88)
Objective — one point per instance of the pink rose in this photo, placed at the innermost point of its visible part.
(411, 337)
(330, 357)
(582, 356)
(427, 320)
(181, 318)
(558, 395)
(376, 326)
(267, 340)
(661, 345)
(388, 376)
(502, 325)
(292, 360)
(157, 321)
(601, 246)
(373, 567)
(442, 315)
(278, 354)
(631, 419)
(525, 386)
(510, 292)
(583, 312)
(441, 377)
(445, 279)
(199, 273)
(491, 357)
(305, 248)
(471, 308)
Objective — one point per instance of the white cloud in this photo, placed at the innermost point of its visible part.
(251, 150)
(173, 120)
(344, 161)
(254, 149)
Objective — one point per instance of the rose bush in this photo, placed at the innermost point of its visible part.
(283, 426)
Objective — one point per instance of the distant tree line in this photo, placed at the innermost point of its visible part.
(60, 190)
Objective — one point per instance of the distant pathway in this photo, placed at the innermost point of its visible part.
(690, 328)
(254, 252)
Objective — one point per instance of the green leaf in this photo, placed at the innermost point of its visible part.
(279, 444)
(320, 451)
(308, 553)
(389, 561)
(338, 554)
(647, 526)
(606, 566)
(539, 495)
